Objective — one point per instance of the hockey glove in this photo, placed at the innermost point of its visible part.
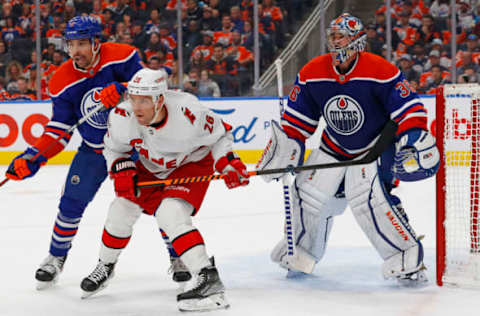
(416, 156)
(21, 167)
(111, 95)
(281, 151)
(124, 175)
(234, 170)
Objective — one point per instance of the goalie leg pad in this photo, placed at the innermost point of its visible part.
(122, 215)
(314, 206)
(174, 218)
(380, 218)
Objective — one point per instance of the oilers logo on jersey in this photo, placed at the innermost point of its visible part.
(344, 114)
(90, 101)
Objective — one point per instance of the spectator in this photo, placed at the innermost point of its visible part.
(22, 91)
(5, 58)
(154, 63)
(419, 58)
(206, 49)
(196, 61)
(440, 9)
(427, 30)
(406, 32)
(469, 75)
(437, 79)
(208, 21)
(467, 61)
(236, 18)
(207, 87)
(154, 45)
(405, 65)
(224, 35)
(191, 82)
(166, 37)
(272, 11)
(244, 58)
(193, 38)
(11, 31)
(223, 70)
(69, 11)
(194, 11)
(374, 43)
(174, 79)
(434, 59)
(13, 72)
(120, 9)
(4, 96)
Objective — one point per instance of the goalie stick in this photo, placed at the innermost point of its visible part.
(71, 129)
(287, 179)
(385, 139)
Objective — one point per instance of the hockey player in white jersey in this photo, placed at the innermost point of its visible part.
(356, 93)
(175, 137)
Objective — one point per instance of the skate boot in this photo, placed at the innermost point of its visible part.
(50, 268)
(98, 279)
(208, 292)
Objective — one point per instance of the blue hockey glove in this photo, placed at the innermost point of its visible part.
(416, 156)
(21, 167)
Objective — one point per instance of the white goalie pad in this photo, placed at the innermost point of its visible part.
(280, 152)
(314, 206)
(384, 224)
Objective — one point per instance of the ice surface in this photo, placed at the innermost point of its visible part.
(240, 227)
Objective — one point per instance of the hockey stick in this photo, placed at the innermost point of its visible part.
(63, 134)
(385, 139)
(287, 179)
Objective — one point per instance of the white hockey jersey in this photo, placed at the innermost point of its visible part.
(188, 133)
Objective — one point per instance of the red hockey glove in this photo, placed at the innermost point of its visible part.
(124, 175)
(21, 167)
(234, 170)
(111, 95)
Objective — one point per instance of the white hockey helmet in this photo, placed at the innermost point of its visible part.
(350, 27)
(148, 82)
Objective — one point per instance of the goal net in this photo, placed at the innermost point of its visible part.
(458, 181)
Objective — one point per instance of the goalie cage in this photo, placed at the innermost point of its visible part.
(458, 140)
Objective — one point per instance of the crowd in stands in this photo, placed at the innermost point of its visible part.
(217, 35)
(421, 41)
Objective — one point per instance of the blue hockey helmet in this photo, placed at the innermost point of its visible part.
(83, 27)
(352, 29)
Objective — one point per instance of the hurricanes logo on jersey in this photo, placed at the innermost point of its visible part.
(344, 115)
(90, 101)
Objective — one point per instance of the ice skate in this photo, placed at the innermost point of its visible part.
(208, 292)
(414, 279)
(50, 268)
(98, 279)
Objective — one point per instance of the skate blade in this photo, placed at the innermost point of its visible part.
(43, 285)
(212, 302)
(420, 280)
(88, 294)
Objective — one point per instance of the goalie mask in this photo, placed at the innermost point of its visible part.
(346, 37)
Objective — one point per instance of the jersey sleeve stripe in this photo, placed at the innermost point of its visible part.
(302, 117)
(54, 95)
(57, 132)
(412, 122)
(96, 146)
(415, 109)
(59, 125)
(404, 107)
(118, 61)
(298, 123)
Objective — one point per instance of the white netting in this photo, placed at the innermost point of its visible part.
(462, 164)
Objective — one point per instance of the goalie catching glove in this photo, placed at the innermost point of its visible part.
(416, 156)
(21, 167)
(124, 175)
(234, 170)
(281, 152)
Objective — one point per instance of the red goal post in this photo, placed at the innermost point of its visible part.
(458, 140)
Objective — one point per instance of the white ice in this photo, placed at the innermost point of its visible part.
(240, 227)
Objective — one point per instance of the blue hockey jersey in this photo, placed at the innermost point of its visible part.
(355, 105)
(75, 92)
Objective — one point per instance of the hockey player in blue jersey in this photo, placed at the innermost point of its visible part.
(92, 76)
(356, 93)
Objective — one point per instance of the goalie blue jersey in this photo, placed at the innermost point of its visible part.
(75, 92)
(355, 105)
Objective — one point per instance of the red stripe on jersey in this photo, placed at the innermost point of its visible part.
(62, 232)
(111, 241)
(416, 108)
(335, 147)
(59, 132)
(414, 122)
(293, 133)
(48, 146)
(187, 241)
(295, 121)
